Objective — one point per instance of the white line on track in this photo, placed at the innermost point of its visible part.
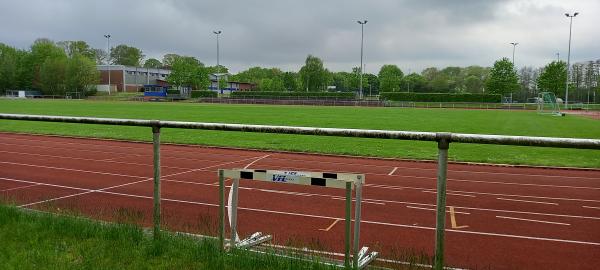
(333, 218)
(393, 171)
(462, 180)
(448, 193)
(258, 159)
(480, 193)
(513, 200)
(320, 162)
(534, 220)
(22, 187)
(591, 207)
(122, 185)
(429, 209)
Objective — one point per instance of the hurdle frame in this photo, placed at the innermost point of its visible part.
(449, 138)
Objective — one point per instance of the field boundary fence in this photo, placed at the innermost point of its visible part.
(443, 139)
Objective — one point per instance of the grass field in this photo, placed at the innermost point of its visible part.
(44, 241)
(449, 120)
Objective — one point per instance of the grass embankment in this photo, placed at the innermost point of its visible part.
(527, 123)
(32, 240)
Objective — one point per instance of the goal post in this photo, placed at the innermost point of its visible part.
(348, 181)
(547, 104)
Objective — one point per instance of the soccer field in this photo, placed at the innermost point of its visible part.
(435, 120)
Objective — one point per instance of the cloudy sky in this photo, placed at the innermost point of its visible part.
(412, 34)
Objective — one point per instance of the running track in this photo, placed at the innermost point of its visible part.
(502, 217)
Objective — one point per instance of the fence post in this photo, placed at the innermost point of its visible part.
(221, 211)
(348, 221)
(440, 221)
(156, 214)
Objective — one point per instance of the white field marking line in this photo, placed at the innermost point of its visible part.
(481, 193)
(393, 171)
(533, 220)
(363, 221)
(591, 207)
(283, 192)
(505, 199)
(15, 188)
(109, 160)
(350, 163)
(121, 154)
(465, 180)
(330, 226)
(422, 204)
(429, 209)
(142, 148)
(448, 193)
(117, 186)
(258, 159)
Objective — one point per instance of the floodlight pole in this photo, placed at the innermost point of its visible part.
(108, 58)
(513, 62)
(569, 59)
(557, 57)
(362, 32)
(218, 66)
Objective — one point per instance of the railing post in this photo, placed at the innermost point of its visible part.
(156, 146)
(357, 218)
(221, 210)
(443, 140)
(348, 221)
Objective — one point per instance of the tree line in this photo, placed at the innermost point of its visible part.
(59, 67)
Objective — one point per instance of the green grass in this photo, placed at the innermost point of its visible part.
(462, 121)
(33, 240)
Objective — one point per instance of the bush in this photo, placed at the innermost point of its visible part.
(201, 94)
(295, 95)
(440, 97)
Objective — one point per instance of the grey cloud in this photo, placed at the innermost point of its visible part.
(411, 34)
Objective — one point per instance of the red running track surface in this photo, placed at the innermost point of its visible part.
(504, 217)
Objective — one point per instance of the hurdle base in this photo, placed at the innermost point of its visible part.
(256, 238)
(364, 258)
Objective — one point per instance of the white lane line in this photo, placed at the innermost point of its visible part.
(283, 192)
(72, 170)
(258, 159)
(363, 221)
(393, 171)
(591, 207)
(110, 160)
(448, 193)
(363, 201)
(429, 209)
(122, 185)
(320, 162)
(514, 200)
(15, 188)
(480, 193)
(533, 220)
(464, 180)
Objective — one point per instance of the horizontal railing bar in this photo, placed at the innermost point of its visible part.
(361, 133)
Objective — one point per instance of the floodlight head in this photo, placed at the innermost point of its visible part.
(575, 14)
(107, 36)
(362, 22)
(217, 32)
(567, 14)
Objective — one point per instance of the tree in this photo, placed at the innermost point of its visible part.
(313, 75)
(9, 61)
(41, 50)
(503, 78)
(290, 81)
(390, 77)
(152, 63)
(413, 83)
(101, 57)
(553, 78)
(169, 59)
(188, 71)
(52, 75)
(126, 55)
(78, 47)
(81, 74)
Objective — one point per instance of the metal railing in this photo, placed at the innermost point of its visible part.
(443, 140)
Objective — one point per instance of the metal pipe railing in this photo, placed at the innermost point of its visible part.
(442, 138)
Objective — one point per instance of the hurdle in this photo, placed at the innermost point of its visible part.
(348, 181)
